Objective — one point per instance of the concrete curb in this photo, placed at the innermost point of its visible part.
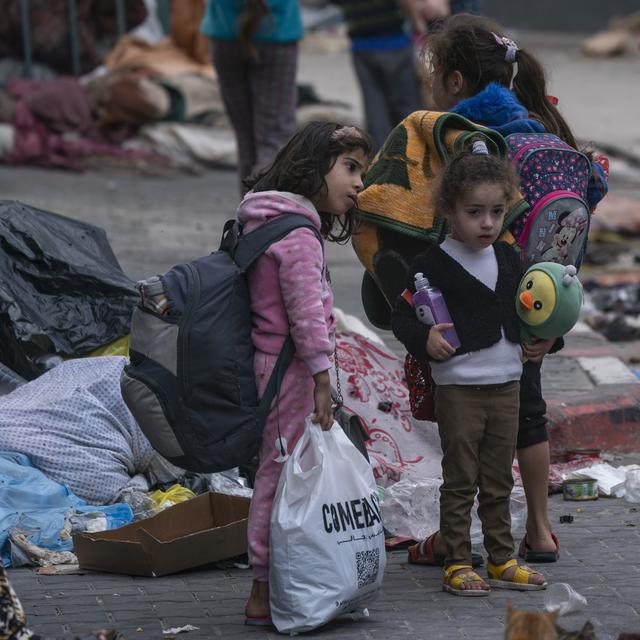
(602, 411)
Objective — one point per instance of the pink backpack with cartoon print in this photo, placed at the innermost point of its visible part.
(553, 180)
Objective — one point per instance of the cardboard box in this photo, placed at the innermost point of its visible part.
(205, 529)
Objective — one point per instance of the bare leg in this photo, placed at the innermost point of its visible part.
(258, 603)
(534, 469)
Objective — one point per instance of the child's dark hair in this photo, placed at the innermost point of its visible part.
(466, 43)
(252, 15)
(468, 170)
(302, 164)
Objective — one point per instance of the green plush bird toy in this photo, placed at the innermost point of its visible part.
(548, 300)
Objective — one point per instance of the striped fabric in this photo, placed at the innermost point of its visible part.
(260, 98)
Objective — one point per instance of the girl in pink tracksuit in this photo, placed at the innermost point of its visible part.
(318, 175)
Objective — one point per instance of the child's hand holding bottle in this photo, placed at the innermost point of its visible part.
(322, 400)
(437, 346)
(431, 309)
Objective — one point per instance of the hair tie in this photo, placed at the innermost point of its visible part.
(509, 44)
(511, 54)
(479, 147)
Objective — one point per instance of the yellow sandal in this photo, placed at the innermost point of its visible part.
(453, 584)
(520, 580)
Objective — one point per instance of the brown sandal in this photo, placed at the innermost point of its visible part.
(422, 553)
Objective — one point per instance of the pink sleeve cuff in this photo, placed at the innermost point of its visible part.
(318, 363)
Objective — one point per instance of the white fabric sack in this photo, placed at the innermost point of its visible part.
(327, 541)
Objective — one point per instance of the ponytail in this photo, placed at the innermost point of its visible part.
(530, 87)
(253, 13)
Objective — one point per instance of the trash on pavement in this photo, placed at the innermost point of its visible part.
(176, 630)
(138, 499)
(610, 479)
(24, 552)
(411, 508)
(63, 290)
(229, 482)
(173, 495)
(566, 519)
(36, 514)
(632, 484)
(562, 597)
(9, 380)
(583, 454)
(580, 489)
(59, 570)
(197, 532)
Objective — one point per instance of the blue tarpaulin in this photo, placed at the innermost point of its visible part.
(39, 507)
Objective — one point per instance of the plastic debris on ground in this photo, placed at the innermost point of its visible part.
(562, 597)
(63, 290)
(230, 483)
(36, 514)
(611, 480)
(176, 630)
(411, 508)
(173, 495)
(632, 485)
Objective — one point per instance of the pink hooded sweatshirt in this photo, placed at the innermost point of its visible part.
(288, 283)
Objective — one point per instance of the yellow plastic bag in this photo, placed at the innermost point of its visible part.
(173, 495)
(119, 347)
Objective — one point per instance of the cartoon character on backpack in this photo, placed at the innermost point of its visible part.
(554, 178)
(571, 225)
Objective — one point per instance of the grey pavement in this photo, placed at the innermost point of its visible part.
(155, 222)
(599, 558)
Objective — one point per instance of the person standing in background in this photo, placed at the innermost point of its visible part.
(255, 54)
(383, 56)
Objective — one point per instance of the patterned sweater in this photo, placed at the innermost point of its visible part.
(288, 284)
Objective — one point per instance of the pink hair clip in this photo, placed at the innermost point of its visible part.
(346, 132)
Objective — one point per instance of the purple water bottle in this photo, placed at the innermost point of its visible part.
(431, 308)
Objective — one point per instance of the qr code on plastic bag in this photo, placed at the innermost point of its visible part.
(367, 565)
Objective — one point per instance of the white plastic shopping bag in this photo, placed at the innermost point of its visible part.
(327, 541)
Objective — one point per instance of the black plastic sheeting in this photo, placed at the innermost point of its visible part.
(61, 287)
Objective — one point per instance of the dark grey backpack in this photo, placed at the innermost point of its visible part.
(190, 384)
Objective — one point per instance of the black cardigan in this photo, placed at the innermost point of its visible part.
(478, 313)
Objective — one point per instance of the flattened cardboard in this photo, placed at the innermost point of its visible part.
(208, 528)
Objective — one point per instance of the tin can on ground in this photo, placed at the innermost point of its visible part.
(583, 454)
(580, 489)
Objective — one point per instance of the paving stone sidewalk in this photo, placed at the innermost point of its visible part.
(153, 223)
(599, 558)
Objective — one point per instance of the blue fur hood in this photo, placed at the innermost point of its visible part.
(498, 108)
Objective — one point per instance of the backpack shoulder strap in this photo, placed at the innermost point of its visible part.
(272, 390)
(245, 250)
(251, 246)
